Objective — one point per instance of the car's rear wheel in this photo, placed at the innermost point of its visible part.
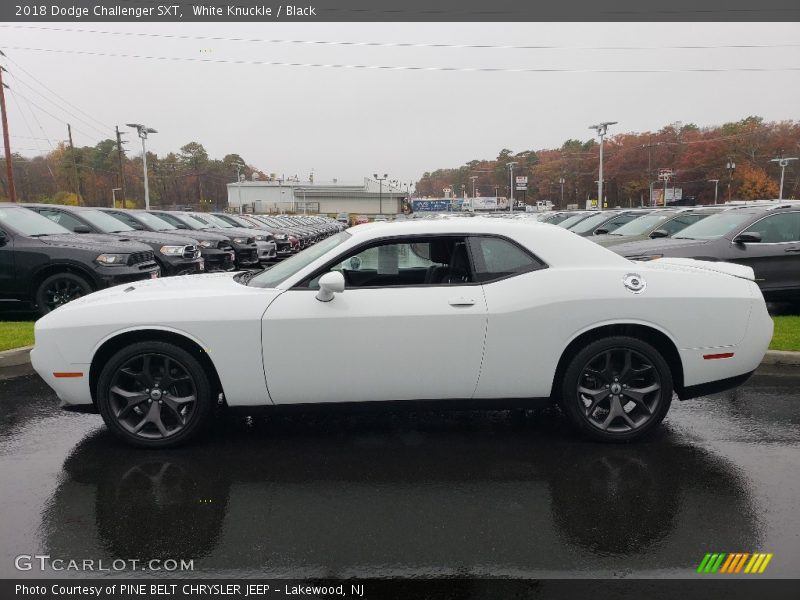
(60, 288)
(154, 395)
(616, 389)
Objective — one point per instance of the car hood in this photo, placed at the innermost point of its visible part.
(160, 237)
(660, 246)
(100, 242)
(609, 239)
(163, 289)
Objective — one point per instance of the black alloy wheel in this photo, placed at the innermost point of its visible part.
(616, 389)
(56, 290)
(154, 394)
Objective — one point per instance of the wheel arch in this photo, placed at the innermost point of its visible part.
(657, 338)
(61, 267)
(109, 346)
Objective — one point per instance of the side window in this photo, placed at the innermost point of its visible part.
(618, 222)
(407, 262)
(62, 218)
(778, 228)
(128, 220)
(496, 258)
(679, 223)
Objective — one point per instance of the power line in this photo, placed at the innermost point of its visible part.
(59, 119)
(399, 67)
(395, 44)
(49, 89)
(58, 105)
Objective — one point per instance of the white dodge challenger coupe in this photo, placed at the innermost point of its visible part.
(487, 313)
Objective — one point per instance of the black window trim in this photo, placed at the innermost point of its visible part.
(302, 285)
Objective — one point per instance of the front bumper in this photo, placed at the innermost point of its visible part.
(111, 276)
(182, 266)
(246, 256)
(219, 260)
(266, 251)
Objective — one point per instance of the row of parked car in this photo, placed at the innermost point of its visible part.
(51, 254)
(762, 235)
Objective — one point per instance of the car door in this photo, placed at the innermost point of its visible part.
(776, 258)
(410, 324)
(8, 284)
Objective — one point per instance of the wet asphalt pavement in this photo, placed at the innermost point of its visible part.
(410, 494)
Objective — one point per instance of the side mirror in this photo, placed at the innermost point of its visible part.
(3, 238)
(181, 226)
(659, 233)
(330, 284)
(138, 227)
(747, 237)
(600, 231)
(82, 229)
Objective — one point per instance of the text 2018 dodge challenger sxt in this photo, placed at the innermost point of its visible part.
(484, 312)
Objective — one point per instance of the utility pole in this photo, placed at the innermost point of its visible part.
(731, 166)
(602, 129)
(120, 154)
(380, 192)
(473, 178)
(74, 166)
(716, 188)
(783, 162)
(12, 191)
(511, 185)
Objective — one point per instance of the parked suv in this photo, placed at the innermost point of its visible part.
(661, 223)
(764, 237)
(265, 239)
(214, 249)
(46, 264)
(243, 243)
(176, 255)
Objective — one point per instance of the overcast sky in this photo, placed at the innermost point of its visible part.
(348, 123)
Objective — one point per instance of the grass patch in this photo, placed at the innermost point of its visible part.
(14, 334)
(787, 334)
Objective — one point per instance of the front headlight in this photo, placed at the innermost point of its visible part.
(171, 250)
(646, 257)
(112, 260)
(240, 240)
(261, 238)
(206, 244)
(281, 236)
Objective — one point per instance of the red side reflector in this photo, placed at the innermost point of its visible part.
(67, 374)
(717, 356)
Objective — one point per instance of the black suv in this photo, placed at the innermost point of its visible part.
(764, 237)
(175, 255)
(215, 249)
(244, 243)
(44, 263)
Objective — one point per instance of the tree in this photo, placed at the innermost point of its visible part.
(756, 184)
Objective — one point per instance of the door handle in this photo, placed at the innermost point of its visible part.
(461, 301)
(795, 249)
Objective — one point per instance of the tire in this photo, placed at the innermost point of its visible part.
(155, 395)
(58, 289)
(616, 389)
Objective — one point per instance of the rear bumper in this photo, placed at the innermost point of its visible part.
(713, 387)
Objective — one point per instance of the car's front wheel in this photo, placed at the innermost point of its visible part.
(58, 289)
(154, 395)
(616, 389)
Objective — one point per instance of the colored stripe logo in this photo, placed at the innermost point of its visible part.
(734, 562)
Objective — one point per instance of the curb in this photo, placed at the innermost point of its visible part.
(17, 362)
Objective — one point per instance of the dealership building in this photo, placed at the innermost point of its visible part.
(368, 197)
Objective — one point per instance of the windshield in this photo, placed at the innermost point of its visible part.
(643, 225)
(216, 221)
(241, 222)
(283, 270)
(187, 220)
(153, 222)
(714, 227)
(567, 222)
(105, 222)
(28, 222)
(591, 223)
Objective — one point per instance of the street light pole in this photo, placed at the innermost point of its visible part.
(602, 129)
(716, 188)
(114, 197)
(783, 162)
(473, 178)
(380, 181)
(562, 181)
(239, 185)
(143, 130)
(731, 166)
(511, 185)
